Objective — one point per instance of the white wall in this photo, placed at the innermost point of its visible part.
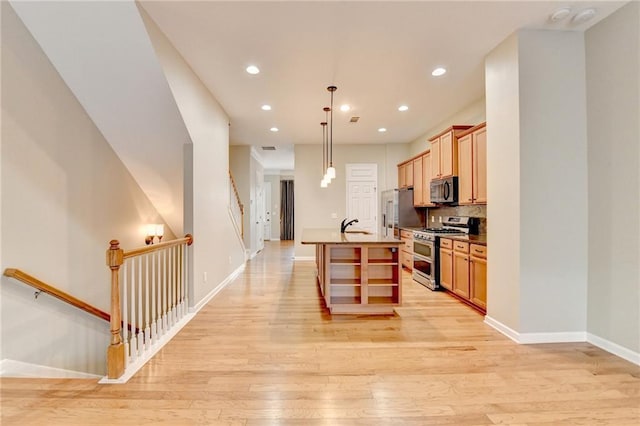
(613, 94)
(503, 188)
(208, 126)
(314, 205)
(65, 194)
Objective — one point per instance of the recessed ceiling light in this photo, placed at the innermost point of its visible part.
(584, 16)
(403, 108)
(382, 130)
(560, 14)
(266, 107)
(274, 129)
(345, 108)
(438, 72)
(252, 69)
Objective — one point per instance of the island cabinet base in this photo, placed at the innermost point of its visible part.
(359, 279)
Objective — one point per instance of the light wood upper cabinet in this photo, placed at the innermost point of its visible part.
(472, 166)
(435, 159)
(402, 181)
(426, 178)
(444, 152)
(480, 165)
(405, 174)
(418, 182)
(408, 177)
(465, 169)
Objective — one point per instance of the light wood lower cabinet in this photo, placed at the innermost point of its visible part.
(463, 270)
(406, 249)
(478, 275)
(361, 279)
(446, 264)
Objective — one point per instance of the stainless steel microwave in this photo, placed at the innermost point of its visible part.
(444, 191)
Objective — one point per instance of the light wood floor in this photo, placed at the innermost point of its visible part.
(266, 352)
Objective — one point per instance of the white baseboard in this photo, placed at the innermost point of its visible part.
(296, 258)
(565, 337)
(140, 362)
(133, 368)
(216, 290)
(614, 348)
(532, 338)
(274, 239)
(497, 325)
(12, 368)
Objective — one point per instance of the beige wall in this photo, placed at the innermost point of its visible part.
(313, 204)
(613, 91)
(537, 179)
(65, 194)
(471, 114)
(208, 216)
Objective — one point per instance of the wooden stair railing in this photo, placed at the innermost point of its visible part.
(59, 294)
(117, 353)
(239, 203)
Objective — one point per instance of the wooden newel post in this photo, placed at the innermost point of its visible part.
(115, 352)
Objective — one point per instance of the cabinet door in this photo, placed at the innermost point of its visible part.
(435, 159)
(446, 269)
(408, 176)
(461, 274)
(465, 170)
(448, 157)
(480, 166)
(478, 278)
(401, 179)
(418, 198)
(426, 179)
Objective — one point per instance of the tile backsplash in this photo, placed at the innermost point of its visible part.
(479, 211)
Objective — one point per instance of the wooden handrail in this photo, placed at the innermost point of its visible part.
(59, 294)
(154, 247)
(240, 205)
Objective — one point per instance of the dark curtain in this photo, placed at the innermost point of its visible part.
(286, 210)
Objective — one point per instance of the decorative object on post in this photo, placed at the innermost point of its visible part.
(154, 230)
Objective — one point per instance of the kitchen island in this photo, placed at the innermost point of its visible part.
(358, 272)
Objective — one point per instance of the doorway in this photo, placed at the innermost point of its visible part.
(286, 210)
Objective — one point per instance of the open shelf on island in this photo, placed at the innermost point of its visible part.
(379, 300)
(345, 261)
(345, 300)
(383, 282)
(345, 281)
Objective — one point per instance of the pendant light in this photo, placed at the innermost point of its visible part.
(324, 182)
(331, 171)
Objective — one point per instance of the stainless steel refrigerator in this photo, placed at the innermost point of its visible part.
(398, 212)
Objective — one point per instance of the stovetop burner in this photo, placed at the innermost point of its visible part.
(443, 231)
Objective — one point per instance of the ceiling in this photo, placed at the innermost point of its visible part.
(379, 54)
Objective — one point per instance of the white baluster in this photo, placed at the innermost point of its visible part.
(180, 281)
(124, 310)
(173, 286)
(164, 291)
(147, 328)
(134, 341)
(140, 334)
(154, 330)
(186, 276)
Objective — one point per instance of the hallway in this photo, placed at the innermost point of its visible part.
(266, 351)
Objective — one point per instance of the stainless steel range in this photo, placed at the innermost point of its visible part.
(426, 248)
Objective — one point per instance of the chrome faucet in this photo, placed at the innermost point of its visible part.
(343, 225)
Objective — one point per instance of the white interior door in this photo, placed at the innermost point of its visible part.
(267, 211)
(259, 226)
(362, 195)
